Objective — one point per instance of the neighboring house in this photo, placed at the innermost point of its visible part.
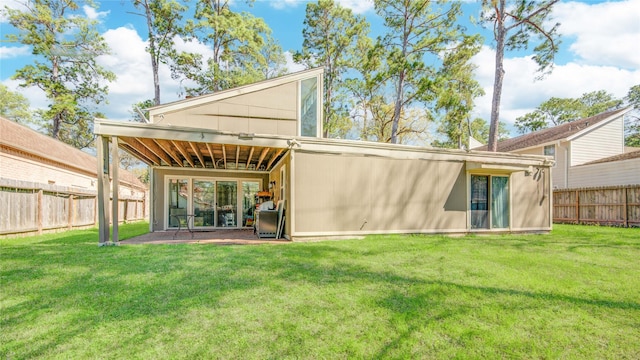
(588, 152)
(210, 155)
(31, 161)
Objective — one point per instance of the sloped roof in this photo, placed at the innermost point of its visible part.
(240, 90)
(620, 157)
(25, 139)
(560, 132)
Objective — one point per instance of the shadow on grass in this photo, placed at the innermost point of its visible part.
(96, 287)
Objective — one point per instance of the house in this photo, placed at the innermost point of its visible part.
(34, 167)
(210, 156)
(589, 152)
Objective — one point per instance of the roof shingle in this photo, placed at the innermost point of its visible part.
(559, 132)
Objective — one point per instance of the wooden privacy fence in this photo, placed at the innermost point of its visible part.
(30, 207)
(618, 206)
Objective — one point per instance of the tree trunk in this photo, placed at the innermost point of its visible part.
(397, 109)
(154, 55)
(492, 144)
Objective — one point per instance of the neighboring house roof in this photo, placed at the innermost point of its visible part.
(560, 132)
(620, 157)
(29, 141)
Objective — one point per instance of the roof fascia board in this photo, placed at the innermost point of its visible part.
(599, 124)
(315, 145)
(413, 152)
(221, 95)
(117, 128)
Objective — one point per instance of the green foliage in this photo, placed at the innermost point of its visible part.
(331, 35)
(513, 28)
(632, 129)
(416, 29)
(65, 45)
(455, 97)
(556, 111)
(456, 134)
(237, 41)
(572, 294)
(163, 18)
(14, 106)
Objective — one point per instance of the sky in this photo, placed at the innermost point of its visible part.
(600, 50)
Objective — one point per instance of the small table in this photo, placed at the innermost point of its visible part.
(186, 217)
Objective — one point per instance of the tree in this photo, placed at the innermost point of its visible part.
(65, 45)
(163, 24)
(415, 30)
(331, 34)
(525, 19)
(455, 97)
(14, 106)
(457, 134)
(556, 111)
(236, 41)
(633, 123)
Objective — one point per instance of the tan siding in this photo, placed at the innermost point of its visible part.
(625, 172)
(270, 111)
(600, 143)
(530, 201)
(350, 194)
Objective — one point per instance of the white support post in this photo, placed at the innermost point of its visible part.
(102, 147)
(115, 183)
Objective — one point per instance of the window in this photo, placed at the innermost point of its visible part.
(489, 202)
(309, 107)
(550, 150)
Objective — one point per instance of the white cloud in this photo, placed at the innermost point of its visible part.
(521, 93)
(9, 52)
(606, 33)
(291, 65)
(37, 98)
(93, 14)
(357, 6)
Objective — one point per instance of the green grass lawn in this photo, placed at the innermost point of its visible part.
(572, 294)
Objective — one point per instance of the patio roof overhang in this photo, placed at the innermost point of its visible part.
(185, 147)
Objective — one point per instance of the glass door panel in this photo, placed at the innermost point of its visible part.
(499, 202)
(227, 204)
(479, 202)
(178, 194)
(249, 191)
(204, 200)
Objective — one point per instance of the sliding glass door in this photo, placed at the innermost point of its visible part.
(211, 203)
(204, 203)
(489, 204)
(227, 203)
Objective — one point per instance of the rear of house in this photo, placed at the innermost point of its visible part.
(214, 157)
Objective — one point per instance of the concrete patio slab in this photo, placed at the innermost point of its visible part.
(217, 237)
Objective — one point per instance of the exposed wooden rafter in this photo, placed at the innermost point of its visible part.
(196, 149)
(184, 152)
(273, 158)
(261, 158)
(213, 157)
(156, 149)
(166, 146)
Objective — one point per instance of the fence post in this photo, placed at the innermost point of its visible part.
(577, 207)
(70, 213)
(626, 208)
(39, 210)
